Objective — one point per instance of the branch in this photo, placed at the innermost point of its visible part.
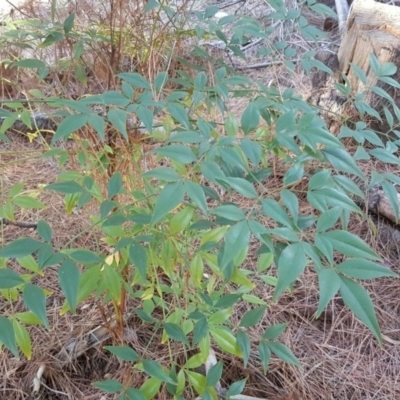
(20, 224)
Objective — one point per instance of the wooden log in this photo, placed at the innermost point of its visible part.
(371, 28)
(381, 205)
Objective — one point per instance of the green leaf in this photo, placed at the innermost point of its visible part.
(9, 278)
(23, 339)
(291, 202)
(230, 212)
(252, 151)
(197, 270)
(35, 301)
(214, 374)
(85, 256)
(179, 114)
(44, 230)
(375, 65)
(350, 245)
(170, 197)
(328, 218)
(27, 317)
(69, 125)
(69, 23)
(177, 152)
(28, 202)
(51, 38)
(275, 211)
(7, 336)
(20, 248)
(116, 219)
(166, 174)
(243, 187)
(138, 257)
(342, 160)
(236, 240)
(325, 246)
(274, 331)
(321, 198)
(211, 171)
(231, 125)
(110, 386)
(197, 381)
(154, 369)
(125, 353)
(252, 317)
(200, 330)
(226, 341)
(283, 352)
(118, 119)
(127, 90)
(200, 81)
(150, 388)
(392, 195)
(29, 63)
(220, 316)
(265, 261)
(190, 137)
(15, 189)
(69, 277)
(88, 283)
(133, 394)
(135, 79)
(114, 185)
(381, 92)
(236, 388)
(181, 220)
(243, 342)
(227, 300)
(98, 124)
(359, 268)
(176, 333)
(292, 262)
(47, 257)
(329, 284)
(146, 116)
(388, 68)
(250, 118)
(160, 80)
(385, 156)
(293, 174)
(359, 73)
(112, 282)
(196, 194)
(265, 355)
(66, 187)
(358, 300)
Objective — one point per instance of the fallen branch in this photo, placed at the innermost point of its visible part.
(20, 224)
(75, 347)
(381, 205)
(262, 65)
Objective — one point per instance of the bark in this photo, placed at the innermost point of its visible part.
(371, 28)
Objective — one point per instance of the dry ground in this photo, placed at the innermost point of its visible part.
(340, 358)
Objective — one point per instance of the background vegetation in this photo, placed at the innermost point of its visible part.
(195, 227)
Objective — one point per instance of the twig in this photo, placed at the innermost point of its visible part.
(262, 65)
(20, 224)
(18, 9)
(75, 347)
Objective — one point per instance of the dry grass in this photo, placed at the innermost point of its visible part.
(340, 357)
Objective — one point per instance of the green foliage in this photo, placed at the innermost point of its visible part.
(196, 219)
